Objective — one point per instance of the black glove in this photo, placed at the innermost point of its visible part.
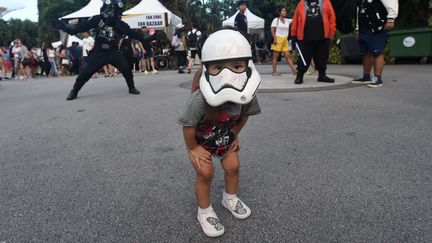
(161, 36)
(293, 42)
(58, 24)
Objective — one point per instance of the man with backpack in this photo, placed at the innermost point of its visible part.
(193, 37)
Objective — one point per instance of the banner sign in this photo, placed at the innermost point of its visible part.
(148, 20)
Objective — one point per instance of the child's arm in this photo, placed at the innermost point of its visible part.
(197, 154)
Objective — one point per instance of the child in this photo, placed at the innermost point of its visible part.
(213, 118)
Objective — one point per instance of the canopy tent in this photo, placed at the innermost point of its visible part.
(7, 7)
(91, 9)
(70, 39)
(150, 13)
(255, 23)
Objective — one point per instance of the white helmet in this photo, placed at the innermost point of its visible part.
(228, 86)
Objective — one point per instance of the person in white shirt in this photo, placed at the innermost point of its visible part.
(280, 32)
(193, 37)
(88, 44)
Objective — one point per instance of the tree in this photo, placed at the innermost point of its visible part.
(54, 9)
(15, 28)
(407, 19)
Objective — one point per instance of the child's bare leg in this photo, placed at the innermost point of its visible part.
(204, 176)
(230, 201)
(231, 165)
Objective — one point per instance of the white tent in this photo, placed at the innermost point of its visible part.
(254, 22)
(91, 9)
(150, 13)
(71, 39)
(7, 7)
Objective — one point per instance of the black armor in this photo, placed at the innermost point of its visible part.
(109, 29)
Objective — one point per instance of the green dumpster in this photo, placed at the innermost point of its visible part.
(411, 42)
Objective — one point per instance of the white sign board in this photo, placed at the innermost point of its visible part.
(148, 20)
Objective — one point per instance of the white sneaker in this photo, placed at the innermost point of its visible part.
(155, 72)
(236, 207)
(210, 224)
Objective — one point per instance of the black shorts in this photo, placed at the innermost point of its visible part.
(372, 43)
(193, 53)
(148, 54)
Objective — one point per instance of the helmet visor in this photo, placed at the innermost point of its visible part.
(231, 74)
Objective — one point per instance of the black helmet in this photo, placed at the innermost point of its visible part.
(112, 10)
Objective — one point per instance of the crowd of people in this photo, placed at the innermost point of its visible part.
(17, 61)
(309, 31)
(20, 62)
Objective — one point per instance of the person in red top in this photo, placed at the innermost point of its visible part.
(313, 26)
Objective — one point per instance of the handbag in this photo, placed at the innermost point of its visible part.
(65, 61)
(175, 41)
(26, 61)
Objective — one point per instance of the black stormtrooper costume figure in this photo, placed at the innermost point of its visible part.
(109, 29)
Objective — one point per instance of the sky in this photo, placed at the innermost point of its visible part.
(29, 12)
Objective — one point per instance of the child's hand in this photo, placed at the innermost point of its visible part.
(235, 146)
(199, 155)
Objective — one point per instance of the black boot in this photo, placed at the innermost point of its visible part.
(133, 90)
(298, 80)
(325, 79)
(299, 77)
(72, 95)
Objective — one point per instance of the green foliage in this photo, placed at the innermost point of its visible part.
(53, 9)
(334, 55)
(407, 19)
(15, 28)
(209, 14)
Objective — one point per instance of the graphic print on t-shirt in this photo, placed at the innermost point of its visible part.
(312, 8)
(217, 139)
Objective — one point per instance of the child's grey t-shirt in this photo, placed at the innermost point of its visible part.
(216, 134)
(194, 110)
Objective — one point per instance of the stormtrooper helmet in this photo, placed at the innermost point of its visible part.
(229, 74)
(112, 10)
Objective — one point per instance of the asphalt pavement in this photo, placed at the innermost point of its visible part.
(322, 163)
